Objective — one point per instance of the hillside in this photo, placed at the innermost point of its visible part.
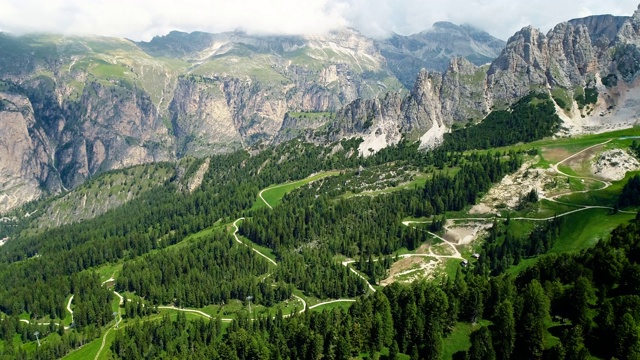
(82, 106)
(151, 250)
(85, 105)
(226, 196)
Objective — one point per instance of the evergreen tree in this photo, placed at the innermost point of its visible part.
(481, 345)
(504, 330)
(535, 313)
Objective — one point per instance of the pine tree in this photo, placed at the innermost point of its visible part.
(481, 346)
(504, 330)
(532, 321)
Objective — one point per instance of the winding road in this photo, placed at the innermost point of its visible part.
(235, 235)
(55, 323)
(554, 168)
(263, 200)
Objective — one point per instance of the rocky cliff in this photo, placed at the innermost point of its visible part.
(74, 107)
(23, 150)
(433, 49)
(589, 67)
(96, 104)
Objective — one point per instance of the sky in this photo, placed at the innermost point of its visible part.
(143, 19)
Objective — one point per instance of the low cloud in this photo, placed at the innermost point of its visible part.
(143, 19)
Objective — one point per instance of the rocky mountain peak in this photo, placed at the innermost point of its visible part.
(636, 14)
(434, 48)
(602, 28)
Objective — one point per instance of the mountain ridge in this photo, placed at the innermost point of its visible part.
(102, 103)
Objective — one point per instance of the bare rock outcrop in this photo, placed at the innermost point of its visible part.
(24, 163)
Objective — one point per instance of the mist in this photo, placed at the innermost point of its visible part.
(143, 19)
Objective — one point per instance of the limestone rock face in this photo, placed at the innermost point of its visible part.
(73, 107)
(116, 128)
(521, 65)
(598, 55)
(24, 162)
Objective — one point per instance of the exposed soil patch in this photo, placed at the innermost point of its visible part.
(410, 269)
(512, 188)
(578, 162)
(466, 234)
(555, 155)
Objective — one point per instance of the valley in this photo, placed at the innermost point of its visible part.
(442, 195)
(443, 250)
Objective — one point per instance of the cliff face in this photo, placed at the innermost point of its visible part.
(74, 107)
(589, 66)
(23, 150)
(98, 104)
(113, 128)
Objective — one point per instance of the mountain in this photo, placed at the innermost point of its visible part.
(83, 105)
(588, 66)
(88, 105)
(434, 48)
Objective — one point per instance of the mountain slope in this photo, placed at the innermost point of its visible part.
(593, 82)
(103, 103)
(434, 48)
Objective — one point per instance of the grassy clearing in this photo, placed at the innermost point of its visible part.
(234, 307)
(343, 305)
(417, 182)
(570, 144)
(584, 229)
(315, 115)
(606, 197)
(88, 351)
(274, 194)
(108, 270)
(459, 339)
(548, 208)
(581, 231)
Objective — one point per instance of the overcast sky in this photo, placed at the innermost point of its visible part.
(142, 19)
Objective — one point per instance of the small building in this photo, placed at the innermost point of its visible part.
(464, 262)
(476, 256)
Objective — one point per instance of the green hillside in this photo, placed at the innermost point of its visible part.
(376, 243)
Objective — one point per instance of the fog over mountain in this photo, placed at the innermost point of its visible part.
(143, 19)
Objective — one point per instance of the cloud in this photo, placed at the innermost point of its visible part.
(142, 19)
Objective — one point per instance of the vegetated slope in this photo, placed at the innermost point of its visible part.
(581, 304)
(158, 219)
(87, 105)
(110, 190)
(307, 230)
(530, 118)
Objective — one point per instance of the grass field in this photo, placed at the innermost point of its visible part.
(274, 194)
(582, 230)
(343, 305)
(459, 339)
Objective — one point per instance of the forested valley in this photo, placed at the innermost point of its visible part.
(589, 301)
(179, 249)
